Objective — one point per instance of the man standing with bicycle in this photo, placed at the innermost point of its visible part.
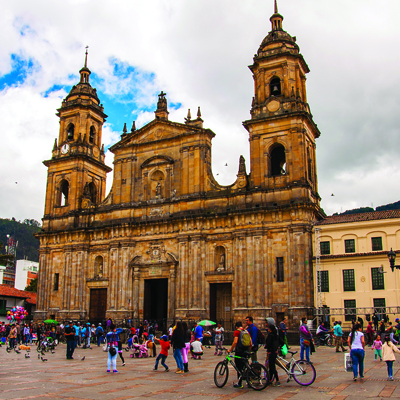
(252, 329)
(240, 345)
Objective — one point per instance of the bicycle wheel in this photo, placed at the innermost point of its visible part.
(221, 374)
(303, 373)
(330, 341)
(257, 376)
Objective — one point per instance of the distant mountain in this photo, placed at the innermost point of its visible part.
(28, 246)
(392, 206)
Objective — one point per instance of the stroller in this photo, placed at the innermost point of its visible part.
(139, 351)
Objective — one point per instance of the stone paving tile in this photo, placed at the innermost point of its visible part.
(58, 378)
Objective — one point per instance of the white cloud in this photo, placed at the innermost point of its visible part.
(199, 52)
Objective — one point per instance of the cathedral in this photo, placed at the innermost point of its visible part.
(169, 242)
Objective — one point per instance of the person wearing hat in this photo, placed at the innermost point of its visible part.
(69, 333)
(165, 346)
(272, 346)
(99, 334)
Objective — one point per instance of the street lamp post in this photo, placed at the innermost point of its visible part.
(392, 259)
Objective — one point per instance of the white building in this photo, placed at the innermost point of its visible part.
(25, 271)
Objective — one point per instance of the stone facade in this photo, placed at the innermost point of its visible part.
(169, 241)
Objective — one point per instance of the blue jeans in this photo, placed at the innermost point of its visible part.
(306, 348)
(178, 358)
(390, 368)
(161, 357)
(357, 355)
(70, 348)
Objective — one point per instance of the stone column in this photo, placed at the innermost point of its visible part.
(172, 291)
(249, 265)
(183, 272)
(135, 300)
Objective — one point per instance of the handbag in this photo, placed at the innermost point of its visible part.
(112, 350)
(306, 343)
(348, 363)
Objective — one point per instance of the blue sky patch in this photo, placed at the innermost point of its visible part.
(19, 72)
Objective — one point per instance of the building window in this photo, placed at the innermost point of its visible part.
(350, 246)
(349, 284)
(275, 87)
(279, 269)
(380, 306)
(56, 281)
(63, 193)
(70, 132)
(378, 282)
(325, 248)
(324, 280)
(92, 134)
(3, 304)
(278, 161)
(350, 310)
(376, 243)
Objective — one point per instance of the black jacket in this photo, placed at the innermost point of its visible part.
(272, 341)
(177, 340)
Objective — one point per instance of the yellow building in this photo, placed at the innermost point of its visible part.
(354, 268)
(169, 241)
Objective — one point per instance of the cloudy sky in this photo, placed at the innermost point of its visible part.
(198, 52)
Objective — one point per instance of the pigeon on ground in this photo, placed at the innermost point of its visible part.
(27, 356)
(43, 359)
(83, 358)
(52, 352)
(17, 351)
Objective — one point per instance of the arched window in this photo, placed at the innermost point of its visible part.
(309, 166)
(70, 132)
(64, 191)
(92, 134)
(92, 192)
(275, 87)
(220, 258)
(98, 266)
(278, 161)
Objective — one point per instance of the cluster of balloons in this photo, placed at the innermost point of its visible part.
(17, 313)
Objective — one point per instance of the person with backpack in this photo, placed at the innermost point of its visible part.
(305, 339)
(99, 334)
(253, 331)
(272, 345)
(241, 343)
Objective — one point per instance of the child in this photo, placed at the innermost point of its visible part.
(165, 346)
(196, 348)
(377, 346)
(388, 350)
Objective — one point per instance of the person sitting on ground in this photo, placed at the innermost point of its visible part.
(196, 349)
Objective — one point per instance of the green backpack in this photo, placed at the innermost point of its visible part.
(244, 341)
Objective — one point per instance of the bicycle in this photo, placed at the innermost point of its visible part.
(255, 374)
(302, 371)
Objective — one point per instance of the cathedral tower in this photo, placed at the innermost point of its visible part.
(76, 172)
(281, 128)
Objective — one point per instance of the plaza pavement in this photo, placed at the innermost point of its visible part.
(58, 378)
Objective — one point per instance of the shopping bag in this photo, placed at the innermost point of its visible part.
(348, 363)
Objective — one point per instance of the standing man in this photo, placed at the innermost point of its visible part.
(252, 329)
(283, 328)
(370, 333)
(375, 320)
(337, 331)
(198, 332)
(305, 339)
(240, 351)
(99, 334)
(70, 337)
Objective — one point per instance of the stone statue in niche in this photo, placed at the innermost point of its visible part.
(221, 264)
(101, 270)
(158, 189)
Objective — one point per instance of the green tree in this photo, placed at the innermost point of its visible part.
(5, 258)
(32, 287)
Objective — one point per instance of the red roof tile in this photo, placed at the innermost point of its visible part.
(9, 291)
(368, 216)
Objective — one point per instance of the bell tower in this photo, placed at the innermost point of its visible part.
(76, 177)
(281, 129)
